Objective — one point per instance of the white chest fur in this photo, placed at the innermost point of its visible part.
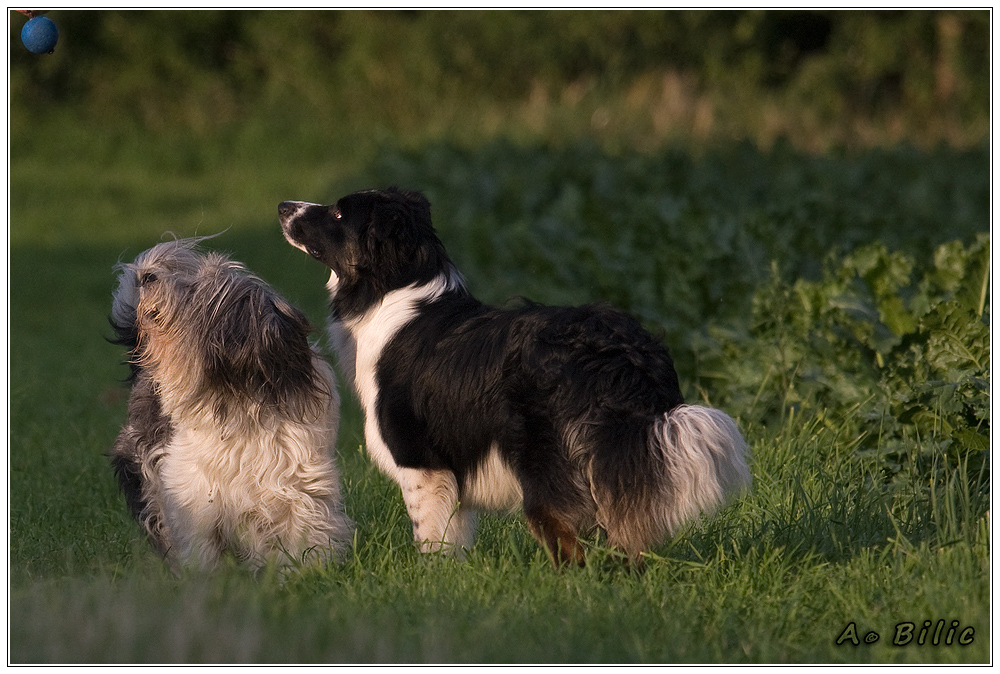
(359, 344)
(250, 490)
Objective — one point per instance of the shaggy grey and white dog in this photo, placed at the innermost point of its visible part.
(232, 417)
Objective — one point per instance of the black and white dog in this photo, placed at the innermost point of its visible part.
(575, 413)
(232, 417)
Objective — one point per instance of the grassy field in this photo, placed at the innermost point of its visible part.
(836, 304)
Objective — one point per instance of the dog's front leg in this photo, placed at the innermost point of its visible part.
(439, 523)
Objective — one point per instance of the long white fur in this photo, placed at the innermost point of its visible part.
(706, 454)
(270, 489)
(705, 461)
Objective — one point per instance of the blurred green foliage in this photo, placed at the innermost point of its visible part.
(846, 76)
(897, 345)
(679, 238)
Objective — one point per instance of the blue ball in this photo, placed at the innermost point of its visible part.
(40, 35)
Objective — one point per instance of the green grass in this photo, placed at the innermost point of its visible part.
(823, 540)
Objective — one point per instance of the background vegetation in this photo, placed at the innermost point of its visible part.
(825, 79)
(798, 201)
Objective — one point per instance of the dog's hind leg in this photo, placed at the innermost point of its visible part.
(555, 494)
(431, 498)
(555, 533)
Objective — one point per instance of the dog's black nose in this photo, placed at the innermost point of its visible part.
(286, 208)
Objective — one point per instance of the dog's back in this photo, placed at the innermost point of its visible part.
(582, 407)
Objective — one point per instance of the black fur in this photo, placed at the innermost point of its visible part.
(147, 428)
(517, 377)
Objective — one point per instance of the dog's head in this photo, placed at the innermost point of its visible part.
(209, 329)
(373, 241)
(169, 260)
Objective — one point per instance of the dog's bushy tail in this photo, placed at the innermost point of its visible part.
(695, 460)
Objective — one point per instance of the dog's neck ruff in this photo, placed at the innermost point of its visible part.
(360, 340)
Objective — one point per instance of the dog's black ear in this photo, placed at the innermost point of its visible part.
(258, 347)
(284, 331)
(387, 216)
(418, 207)
(284, 358)
(401, 207)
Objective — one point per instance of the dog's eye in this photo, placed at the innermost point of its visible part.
(147, 278)
(336, 214)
